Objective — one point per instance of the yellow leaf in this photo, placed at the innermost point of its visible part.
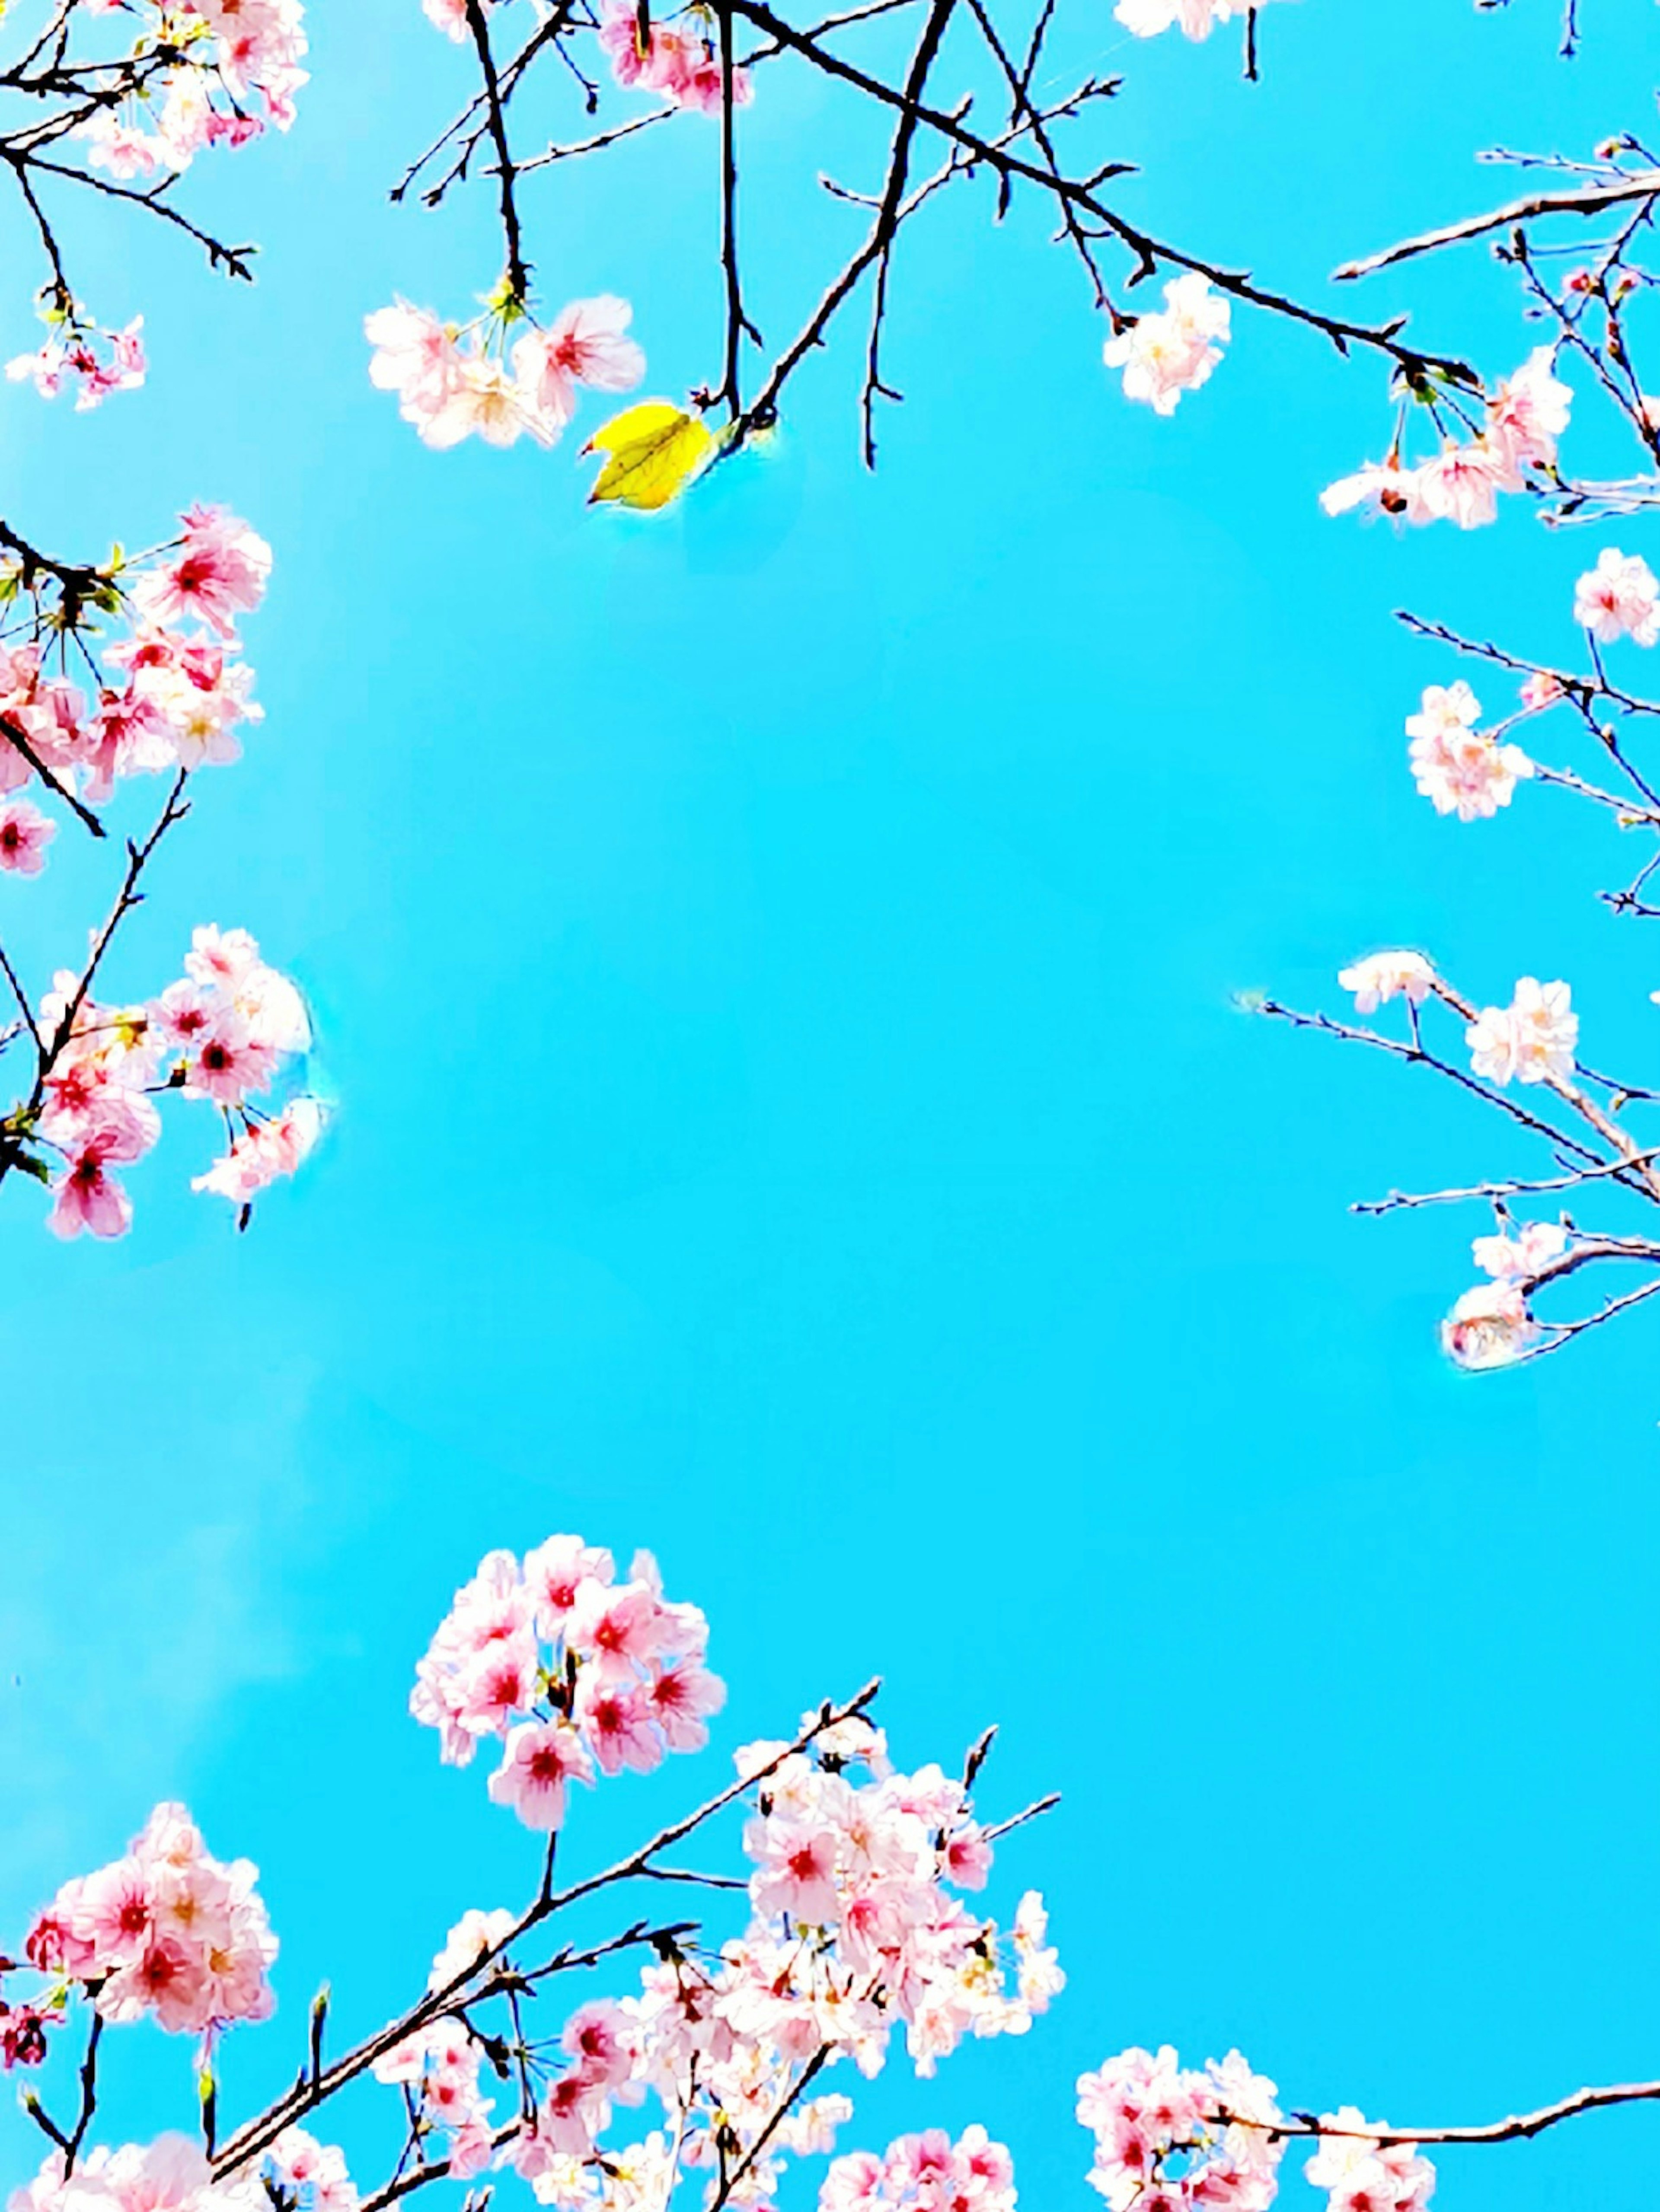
(653, 452)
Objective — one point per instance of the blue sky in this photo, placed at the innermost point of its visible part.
(776, 968)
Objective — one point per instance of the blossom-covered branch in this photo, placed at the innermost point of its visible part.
(507, 374)
(114, 102)
(1471, 770)
(167, 696)
(857, 1934)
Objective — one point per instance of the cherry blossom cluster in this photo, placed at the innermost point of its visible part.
(438, 2067)
(171, 694)
(1493, 1324)
(454, 381)
(602, 1672)
(680, 64)
(928, 2172)
(79, 356)
(118, 116)
(1462, 770)
(1531, 1041)
(1511, 451)
(854, 1933)
(206, 73)
(1618, 597)
(676, 61)
(219, 1034)
(1170, 2140)
(174, 2174)
(167, 1933)
(1166, 354)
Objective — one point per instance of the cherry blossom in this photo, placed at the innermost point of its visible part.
(1167, 353)
(25, 834)
(1522, 1256)
(474, 1935)
(1363, 2175)
(1530, 1039)
(1456, 767)
(70, 356)
(1618, 597)
(309, 2175)
(1461, 485)
(218, 571)
(1195, 18)
(1382, 976)
(1528, 414)
(585, 343)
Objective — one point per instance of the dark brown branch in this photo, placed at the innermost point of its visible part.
(1151, 253)
(887, 215)
(738, 326)
(518, 274)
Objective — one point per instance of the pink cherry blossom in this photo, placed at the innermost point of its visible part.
(616, 1719)
(73, 357)
(87, 1196)
(1618, 597)
(680, 65)
(541, 1758)
(415, 355)
(483, 401)
(1531, 1039)
(25, 834)
(168, 1931)
(585, 343)
(603, 2041)
(1382, 976)
(1518, 1258)
(218, 571)
(1461, 485)
(1455, 766)
(1167, 353)
(680, 1696)
(474, 1935)
(226, 1063)
(1196, 19)
(1528, 413)
(554, 1575)
(1364, 2175)
(1181, 2139)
